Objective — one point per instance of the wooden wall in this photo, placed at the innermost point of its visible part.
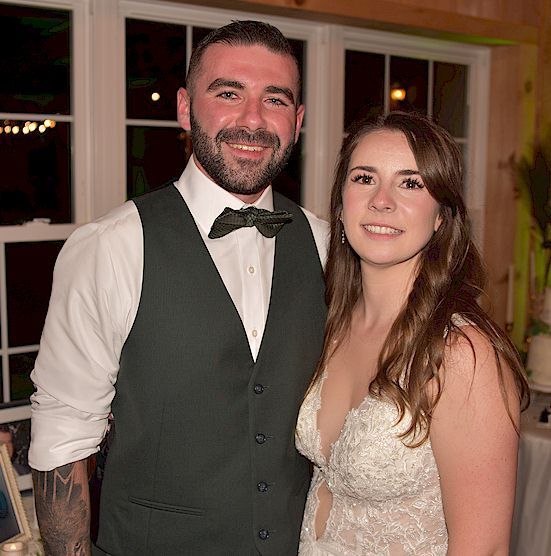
(519, 33)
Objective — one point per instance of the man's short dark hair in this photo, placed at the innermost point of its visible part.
(242, 33)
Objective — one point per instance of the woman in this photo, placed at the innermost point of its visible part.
(412, 417)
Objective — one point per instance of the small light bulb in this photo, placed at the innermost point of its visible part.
(47, 123)
(155, 97)
(41, 128)
(398, 94)
(15, 129)
(32, 126)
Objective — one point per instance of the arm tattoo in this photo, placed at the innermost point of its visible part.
(63, 509)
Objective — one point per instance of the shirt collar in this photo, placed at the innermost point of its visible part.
(206, 200)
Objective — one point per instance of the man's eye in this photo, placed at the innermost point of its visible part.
(227, 94)
(276, 102)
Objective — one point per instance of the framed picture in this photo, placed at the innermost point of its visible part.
(13, 521)
(15, 433)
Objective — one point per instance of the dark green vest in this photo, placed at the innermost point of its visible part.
(203, 460)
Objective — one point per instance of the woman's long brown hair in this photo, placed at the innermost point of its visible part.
(450, 279)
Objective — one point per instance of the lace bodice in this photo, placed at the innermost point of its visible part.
(386, 496)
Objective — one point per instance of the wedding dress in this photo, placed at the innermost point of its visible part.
(386, 496)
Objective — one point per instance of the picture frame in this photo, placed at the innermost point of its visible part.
(16, 420)
(14, 525)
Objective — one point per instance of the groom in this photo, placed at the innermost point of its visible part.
(198, 335)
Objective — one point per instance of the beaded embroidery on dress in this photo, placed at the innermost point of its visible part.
(386, 497)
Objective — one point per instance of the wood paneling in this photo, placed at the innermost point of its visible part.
(512, 115)
(428, 18)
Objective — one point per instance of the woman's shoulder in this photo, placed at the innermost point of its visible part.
(468, 351)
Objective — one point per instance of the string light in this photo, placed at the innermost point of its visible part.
(12, 128)
(155, 97)
(397, 93)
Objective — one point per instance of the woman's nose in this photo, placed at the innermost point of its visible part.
(382, 200)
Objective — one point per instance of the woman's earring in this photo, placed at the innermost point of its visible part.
(343, 237)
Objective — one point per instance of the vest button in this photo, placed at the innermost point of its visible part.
(258, 388)
(264, 534)
(260, 438)
(262, 486)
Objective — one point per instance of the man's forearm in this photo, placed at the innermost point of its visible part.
(62, 502)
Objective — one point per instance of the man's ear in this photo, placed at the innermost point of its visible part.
(300, 117)
(183, 103)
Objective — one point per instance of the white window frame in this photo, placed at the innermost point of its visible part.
(80, 118)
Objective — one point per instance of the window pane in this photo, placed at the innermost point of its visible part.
(29, 268)
(36, 177)
(412, 76)
(36, 60)
(289, 181)
(155, 65)
(198, 34)
(21, 366)
(146, 147)
(450, 88)
(364, 85)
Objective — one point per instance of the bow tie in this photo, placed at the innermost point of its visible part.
(267, 223)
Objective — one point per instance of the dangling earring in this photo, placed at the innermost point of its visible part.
(343, 237)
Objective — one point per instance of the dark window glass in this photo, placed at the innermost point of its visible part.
(198, 34)
(450, 89)
(155, 65)
(289, 181)
(36, 177)
(21, 366)
(364, 85)
(29, 268)
(146, 147)
(411, 76)
(35, 71)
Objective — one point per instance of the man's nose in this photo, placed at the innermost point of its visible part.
(251, 115)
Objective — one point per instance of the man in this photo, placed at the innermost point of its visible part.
(200, 342)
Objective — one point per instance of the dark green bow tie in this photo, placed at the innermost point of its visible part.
(267, 223)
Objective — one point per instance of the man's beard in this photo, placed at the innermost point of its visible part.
(246, 177)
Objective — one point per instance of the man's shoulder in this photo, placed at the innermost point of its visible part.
(318, 225)
(117, 231)
(320, 231)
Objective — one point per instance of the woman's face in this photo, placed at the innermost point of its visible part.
(388, 214)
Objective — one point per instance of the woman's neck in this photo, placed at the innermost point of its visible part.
(384, 293)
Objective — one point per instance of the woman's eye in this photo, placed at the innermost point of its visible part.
(412, 183)
(363, 178)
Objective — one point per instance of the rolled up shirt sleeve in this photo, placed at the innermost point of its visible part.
(95, 294)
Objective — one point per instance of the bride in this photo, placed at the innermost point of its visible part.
(412, 418)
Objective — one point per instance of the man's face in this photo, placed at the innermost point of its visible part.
(243, 115)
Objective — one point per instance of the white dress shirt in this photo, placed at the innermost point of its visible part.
(95, 296)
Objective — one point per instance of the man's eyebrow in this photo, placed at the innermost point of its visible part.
(220, 83)
(287, 93)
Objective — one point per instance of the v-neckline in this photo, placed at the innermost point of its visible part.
(352, 410)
